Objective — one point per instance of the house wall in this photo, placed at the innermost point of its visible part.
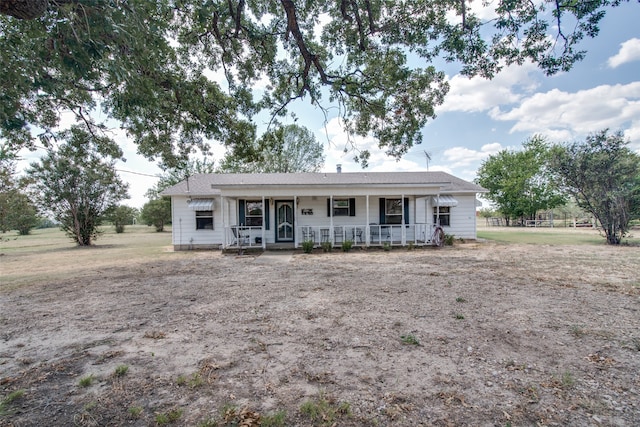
(184, 233)
(185, 236)
(463, 217)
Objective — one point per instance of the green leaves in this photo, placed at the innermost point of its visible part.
(177, 73)
(77, 185)
(518, 181)
(603, 175)
(287, 149)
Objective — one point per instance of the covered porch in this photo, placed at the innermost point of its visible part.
(286, 221)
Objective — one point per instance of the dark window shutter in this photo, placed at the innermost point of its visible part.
(328, 207)
(241, 218)
(265, 212)
(352, 207)
(383, 219)
(406, 210)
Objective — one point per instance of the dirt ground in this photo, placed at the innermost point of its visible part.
(479, 334)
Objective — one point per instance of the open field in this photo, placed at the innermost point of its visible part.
(552, 236)
(479, 334)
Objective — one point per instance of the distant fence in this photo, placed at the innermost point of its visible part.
(495, 222)
(540, 222)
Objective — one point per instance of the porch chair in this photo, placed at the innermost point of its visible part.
(240, 237)
(338, 234)
(357, 234)
(308, 234)
(375, 230)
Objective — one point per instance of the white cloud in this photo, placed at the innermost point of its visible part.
(633, 135)
(480, 94)
(629, 52)
(457, 157)
(558, 113)
(483, 10)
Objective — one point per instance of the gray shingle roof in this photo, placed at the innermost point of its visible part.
(210, 184)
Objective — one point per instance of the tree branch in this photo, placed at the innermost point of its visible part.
(309, 59)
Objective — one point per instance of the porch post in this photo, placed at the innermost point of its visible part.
(264, 218)
(403, 234)
(366, 227)
(224, 224)
(331, 235)
(295, 221)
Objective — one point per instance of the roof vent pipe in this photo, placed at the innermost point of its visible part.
(339, 168)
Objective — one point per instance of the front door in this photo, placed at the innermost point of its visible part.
(284, 221)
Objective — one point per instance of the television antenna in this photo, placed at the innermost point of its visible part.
(427, 157)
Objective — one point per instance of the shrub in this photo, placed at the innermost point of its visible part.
(347, 245)
(326, 246)
(307, 246)
(448, 239)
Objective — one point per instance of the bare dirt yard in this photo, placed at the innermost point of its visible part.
(478, 334)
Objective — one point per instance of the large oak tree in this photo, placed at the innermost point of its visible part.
(146, 63)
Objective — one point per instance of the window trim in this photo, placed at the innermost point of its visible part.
(383, 211)
(341, 207)
(393, 210)
(252, 220)
(349, 209)
(203, 218)
(444, 212)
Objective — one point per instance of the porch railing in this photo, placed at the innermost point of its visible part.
(366, 235)
(244, 236)
(359, 235)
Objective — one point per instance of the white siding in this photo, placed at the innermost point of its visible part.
(184, 233)
(225, 214)
(463, 217)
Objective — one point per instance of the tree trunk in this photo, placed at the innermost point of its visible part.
(23, 9)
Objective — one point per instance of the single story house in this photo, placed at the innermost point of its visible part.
(285, 209)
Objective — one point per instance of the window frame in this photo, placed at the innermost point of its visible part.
(204, 218)
(444, 213)
(251, 219)
(341, 210)
(393, 211)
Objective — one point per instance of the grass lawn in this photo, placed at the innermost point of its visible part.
(550, 236)
(52, 255)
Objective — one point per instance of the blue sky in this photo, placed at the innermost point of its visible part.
(481, 117)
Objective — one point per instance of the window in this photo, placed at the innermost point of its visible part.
(393, 211)
(342, 207)
(204, 220)
(253, 213)
(445, 215)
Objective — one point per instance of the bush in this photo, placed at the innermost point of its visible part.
(326, 246)
(448, 239)
(307, 246)
(346, 245)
